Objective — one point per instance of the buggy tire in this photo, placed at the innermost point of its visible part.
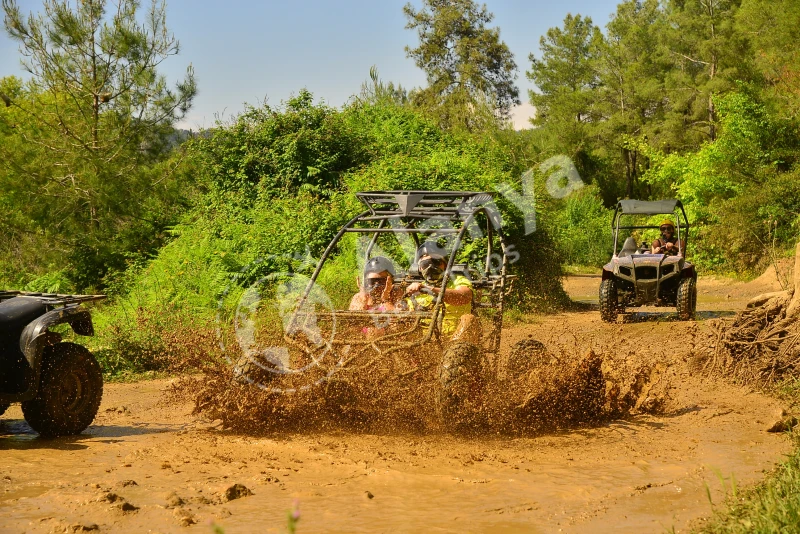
(608, 300)
(70, 391)
(460, 380)
(687, 299)
(246, 371)
(525, 356)
(3, 407)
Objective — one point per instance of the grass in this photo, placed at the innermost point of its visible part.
(581, 269)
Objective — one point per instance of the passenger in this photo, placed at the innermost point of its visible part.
(668, 244)
(459, 323)
(376, 292)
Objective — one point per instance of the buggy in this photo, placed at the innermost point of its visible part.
(326, 340)
(635, 276)
(59, 383)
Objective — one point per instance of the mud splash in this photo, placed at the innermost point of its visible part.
(566, 387)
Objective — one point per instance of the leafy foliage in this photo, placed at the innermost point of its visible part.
(467, 65)
(90, 131)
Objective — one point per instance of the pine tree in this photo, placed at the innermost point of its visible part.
(467, 66)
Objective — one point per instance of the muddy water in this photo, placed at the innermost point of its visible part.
(149, 466)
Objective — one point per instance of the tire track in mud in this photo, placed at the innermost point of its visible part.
(149, 465)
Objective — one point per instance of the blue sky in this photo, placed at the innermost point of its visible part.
(247, 50)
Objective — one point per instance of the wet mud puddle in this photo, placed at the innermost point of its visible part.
(143, 468)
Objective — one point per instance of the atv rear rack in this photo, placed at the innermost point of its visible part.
(51, 299)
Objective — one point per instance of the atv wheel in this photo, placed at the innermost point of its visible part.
(687, 299)
(3, 408)
(70, 390)
(608, 300)
(461, 384)
(525, 356)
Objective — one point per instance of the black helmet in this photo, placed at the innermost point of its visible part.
(432, 249)
(378, 264)
(431, 267)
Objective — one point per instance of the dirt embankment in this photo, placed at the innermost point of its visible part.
(147, 465)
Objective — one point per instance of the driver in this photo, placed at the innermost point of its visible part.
(668, 244)
(458, 321)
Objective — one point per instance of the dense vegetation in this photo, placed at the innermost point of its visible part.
(680, 98)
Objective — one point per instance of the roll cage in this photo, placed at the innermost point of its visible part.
(401, 212)
(656, 207)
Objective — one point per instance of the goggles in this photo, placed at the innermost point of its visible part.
(431, 268)
(371, 284)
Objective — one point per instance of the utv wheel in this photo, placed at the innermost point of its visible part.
(525, 356)
(608, 300)
(687, 299)
(3, 408)
(70, 391)
(461, 385)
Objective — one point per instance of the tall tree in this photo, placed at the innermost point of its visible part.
(708, 54)
(631, 68)
(466, 63)
(773, 30)
(566, 78)
(94, 114)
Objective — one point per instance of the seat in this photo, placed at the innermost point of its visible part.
(628, 247)
(16, 313)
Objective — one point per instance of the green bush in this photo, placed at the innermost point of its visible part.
(278, 186)
(581, 227)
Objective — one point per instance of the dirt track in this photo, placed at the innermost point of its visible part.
(642, 474)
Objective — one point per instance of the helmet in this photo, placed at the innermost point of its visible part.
(667, 222)
(431, 267)
(378, 264)
(432, 249)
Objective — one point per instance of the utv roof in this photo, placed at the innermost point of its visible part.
(643, 207)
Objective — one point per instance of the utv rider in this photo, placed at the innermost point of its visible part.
(668, 244)
(376, 292)
(458, 323)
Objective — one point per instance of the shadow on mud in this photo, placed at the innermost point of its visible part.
(15, 434)
(644, 317)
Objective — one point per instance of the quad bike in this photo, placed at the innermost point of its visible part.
(327, 342)
(636, 277)
(59, 384)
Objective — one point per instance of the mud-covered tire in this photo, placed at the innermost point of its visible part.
(525, 356)
(608, 300)
(70, 391)
(3, 407)
(461, 385)
(247, 371)
(687, 299)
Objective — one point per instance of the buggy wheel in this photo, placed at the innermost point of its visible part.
(461, 382)
(247, 371)
(3, 407)
(525, 356)
(687, 299)
(70, 391)
(608, 300)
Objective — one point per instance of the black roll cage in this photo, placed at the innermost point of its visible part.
(408, 208)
